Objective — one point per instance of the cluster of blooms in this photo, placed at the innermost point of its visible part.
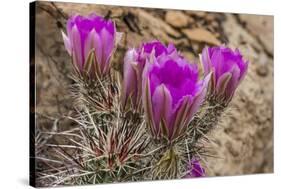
(168, 84)
(156, 77)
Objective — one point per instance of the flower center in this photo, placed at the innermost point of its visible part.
(179, 78)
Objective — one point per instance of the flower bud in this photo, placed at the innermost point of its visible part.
(172, 94)
(228, 69)
(90, 41)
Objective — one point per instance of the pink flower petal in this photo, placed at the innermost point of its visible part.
(162, 105)
(205, 61)
(67, 43)
(77, 48)
(108, 44)
(147, 105)
(130, 80)
(223, 82)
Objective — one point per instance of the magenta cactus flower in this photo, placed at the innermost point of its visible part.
(228, 69)
(134, 63)
(172, 95)
(90, 35)
(196, 170)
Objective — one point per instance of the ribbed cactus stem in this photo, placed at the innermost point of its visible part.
(203, 124)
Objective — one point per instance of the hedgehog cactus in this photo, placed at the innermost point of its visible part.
(148, 125)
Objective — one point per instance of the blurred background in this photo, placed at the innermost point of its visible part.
(243, 141)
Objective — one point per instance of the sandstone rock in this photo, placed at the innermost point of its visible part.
(178, 19)
(199, 14)
(261, 27)
(157, 23)
(201, 35)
